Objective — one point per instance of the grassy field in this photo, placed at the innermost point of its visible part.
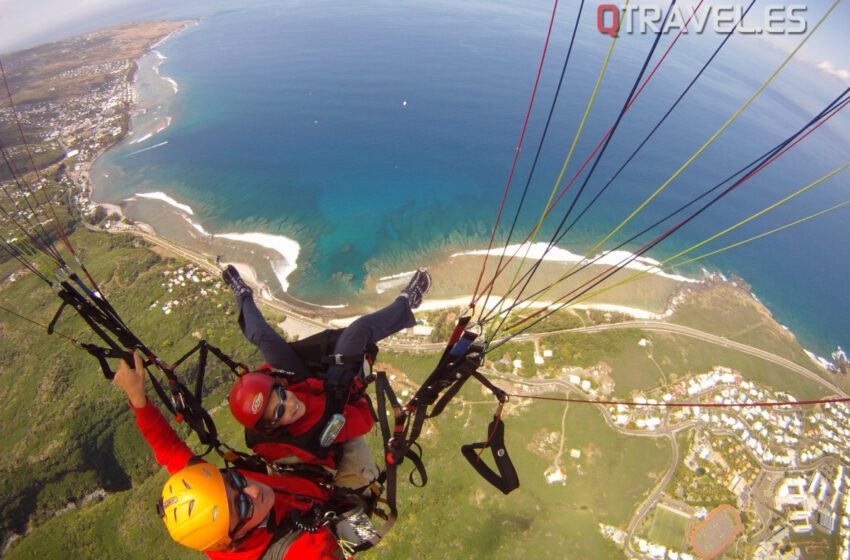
(670, 528)
(731, 312)
(679, 355)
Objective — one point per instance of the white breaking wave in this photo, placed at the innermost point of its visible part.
(142, 139)
(168, 200)
(198, 227)
(146, 149)
(285, 247)
(387, 283)
(556, 254)
(173, 84)
(149, 135)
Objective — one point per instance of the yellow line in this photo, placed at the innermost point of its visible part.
(717, 134)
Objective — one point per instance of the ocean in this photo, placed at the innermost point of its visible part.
(368, 138)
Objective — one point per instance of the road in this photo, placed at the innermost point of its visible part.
(653, 498)
(673, 328)
(670, 328)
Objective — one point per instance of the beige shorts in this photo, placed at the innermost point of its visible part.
(357, 468)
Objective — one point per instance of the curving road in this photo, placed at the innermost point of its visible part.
(665, 327)
(661, 326)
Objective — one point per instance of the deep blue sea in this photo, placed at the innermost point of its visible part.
(378, 133)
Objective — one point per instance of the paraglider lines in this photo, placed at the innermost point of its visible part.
(676, 174)
(759, 163)
(519, 144)
(491, 284)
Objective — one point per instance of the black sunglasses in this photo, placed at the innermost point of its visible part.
(244, 503)
(279, 410)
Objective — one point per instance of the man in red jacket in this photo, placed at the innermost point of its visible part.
(229, 514)
(286, 423)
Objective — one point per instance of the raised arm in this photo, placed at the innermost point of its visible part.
(171, 452)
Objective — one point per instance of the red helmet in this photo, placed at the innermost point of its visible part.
(249, 397)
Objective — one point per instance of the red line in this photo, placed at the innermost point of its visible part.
(17, 116)
(56, 224)
(672, 43)
(766, 404)
(516, 155)
(628, 106)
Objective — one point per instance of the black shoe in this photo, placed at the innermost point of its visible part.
(416, 289)
(231, 277)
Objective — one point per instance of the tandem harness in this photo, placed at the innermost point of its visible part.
(347, 514)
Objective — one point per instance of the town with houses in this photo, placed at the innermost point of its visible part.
(781, 467)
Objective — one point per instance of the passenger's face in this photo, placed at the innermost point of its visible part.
(283, 408)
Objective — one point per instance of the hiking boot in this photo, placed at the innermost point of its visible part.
(417, 288)
(231, 277)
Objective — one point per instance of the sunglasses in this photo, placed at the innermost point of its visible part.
(244, 503)
(279, 410)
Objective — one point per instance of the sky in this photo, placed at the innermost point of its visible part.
(27, 23)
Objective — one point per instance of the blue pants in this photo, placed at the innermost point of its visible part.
(367, 329)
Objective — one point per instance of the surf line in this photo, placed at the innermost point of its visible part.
(146, 149)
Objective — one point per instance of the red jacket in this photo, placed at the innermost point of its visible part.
(172, 453)
(311, 392)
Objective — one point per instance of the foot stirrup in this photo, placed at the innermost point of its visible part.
(506, 479)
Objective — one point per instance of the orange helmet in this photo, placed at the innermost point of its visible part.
(195, 508)
(249, 397)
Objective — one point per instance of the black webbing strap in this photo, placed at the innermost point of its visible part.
(394, 441)
(99, 323)
(460, 361)
(101, 354)
(461, 374)
(506, 479)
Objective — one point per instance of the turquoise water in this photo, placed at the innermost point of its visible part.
(378, 133)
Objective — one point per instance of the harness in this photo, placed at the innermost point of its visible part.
(308, 441)
(460, 360)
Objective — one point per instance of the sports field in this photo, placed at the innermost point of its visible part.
(718, 531)
(670, 528)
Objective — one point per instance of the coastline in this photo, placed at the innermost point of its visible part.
(273, 258)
